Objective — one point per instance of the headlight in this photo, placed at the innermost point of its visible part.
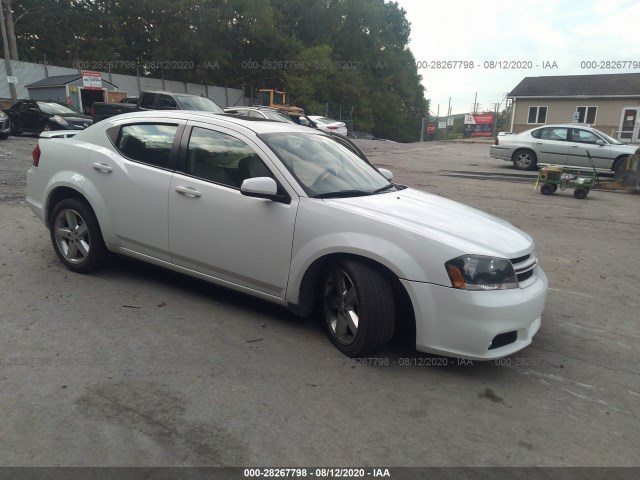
(60, 120)
(473, 272)
(2, 115)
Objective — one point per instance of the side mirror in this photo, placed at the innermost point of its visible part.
(386, 173)
(601, 143)
(260, 187)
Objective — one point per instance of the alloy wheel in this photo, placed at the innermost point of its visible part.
(72, 236)
(341, 306)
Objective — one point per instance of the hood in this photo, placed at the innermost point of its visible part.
(468, 229)
(71, 117)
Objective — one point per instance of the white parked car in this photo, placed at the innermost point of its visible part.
(294, 216)
(561, 144)
(329, 125)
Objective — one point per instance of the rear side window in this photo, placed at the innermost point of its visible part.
(165, 102)
(147, 143)
(147, 100)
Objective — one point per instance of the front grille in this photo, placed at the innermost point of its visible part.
(525, 268)
(520, 259)
(524, 276)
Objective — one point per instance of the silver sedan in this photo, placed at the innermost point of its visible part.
(561, 144)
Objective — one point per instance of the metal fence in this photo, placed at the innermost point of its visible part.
(28, 73)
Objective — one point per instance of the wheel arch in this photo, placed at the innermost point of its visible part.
(619, 161)
(58, 194)
(308, 290)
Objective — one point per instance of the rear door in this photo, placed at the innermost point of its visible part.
(551, 145)
(133, 183)
(31, 117)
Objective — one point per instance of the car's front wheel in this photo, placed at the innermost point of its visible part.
(525, 160)
(358, 308)
(14, 129)
(76, 236)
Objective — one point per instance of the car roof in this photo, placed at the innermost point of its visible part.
(258, 127)
(583, 125)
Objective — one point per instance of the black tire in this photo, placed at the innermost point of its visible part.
(14, 129)
(365, 293)
(4, 136)
(620, 164)
(547, 189)
(525, 160)
(76, 236)
(580, 193)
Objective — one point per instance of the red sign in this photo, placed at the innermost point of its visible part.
(91, 80)
(478, 125)
(431, 128)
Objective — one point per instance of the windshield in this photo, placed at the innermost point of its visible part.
(608, 138)
(53, 108)
(276, 116)
(323, 167)
(202, 104)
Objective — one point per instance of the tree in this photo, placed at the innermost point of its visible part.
(349, 53)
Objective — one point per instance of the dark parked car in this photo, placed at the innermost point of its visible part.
(155, 101)
(34, 116)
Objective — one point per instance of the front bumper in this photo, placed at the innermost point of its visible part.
(465, 324)
(5, 126)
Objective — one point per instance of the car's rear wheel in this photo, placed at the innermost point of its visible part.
(525, 160)
(76, 236)
(358, 308)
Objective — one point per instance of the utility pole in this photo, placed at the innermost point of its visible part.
(475, 104)
(7, 58)
(446, 124)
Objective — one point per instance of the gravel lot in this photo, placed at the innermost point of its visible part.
(135, 365)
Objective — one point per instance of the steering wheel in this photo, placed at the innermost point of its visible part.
(323, 176)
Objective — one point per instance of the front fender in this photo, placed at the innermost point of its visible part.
(324, 229)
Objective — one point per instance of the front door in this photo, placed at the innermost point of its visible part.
(217, 231)
(630, 125)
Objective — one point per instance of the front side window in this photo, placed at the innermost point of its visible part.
(583, 136)
(223, 159)
(537, 115)
(147, 143)
(323, 167)
(587, 114)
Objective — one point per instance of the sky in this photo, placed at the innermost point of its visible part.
(576, 35)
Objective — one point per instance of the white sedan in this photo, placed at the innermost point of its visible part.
(294, 216)
(329, 125)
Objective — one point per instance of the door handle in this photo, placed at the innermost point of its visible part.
(539, 143)
(188, 191)
(103, 167)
